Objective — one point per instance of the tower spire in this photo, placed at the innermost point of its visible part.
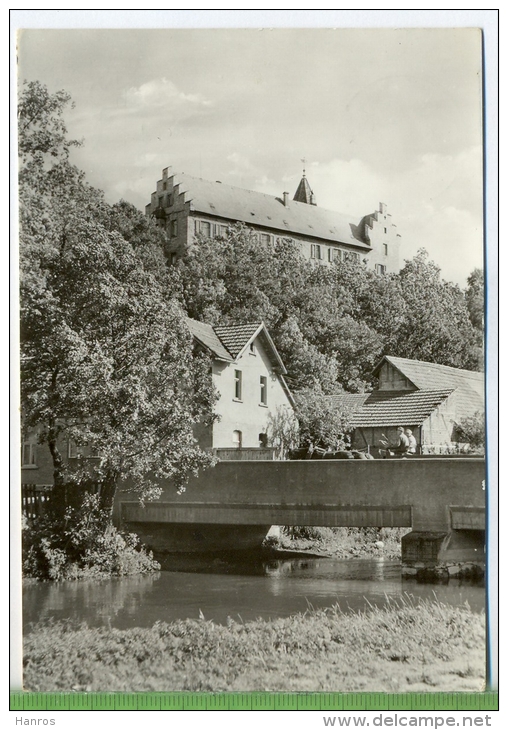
(304, 193)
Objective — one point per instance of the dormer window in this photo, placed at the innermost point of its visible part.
(252, 349)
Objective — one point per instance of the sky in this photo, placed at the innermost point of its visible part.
(378, 115)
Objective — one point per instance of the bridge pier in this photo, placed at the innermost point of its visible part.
(442, 555)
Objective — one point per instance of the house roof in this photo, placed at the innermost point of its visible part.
(430, 376)
(206, 335)
(228, 342)
(395, 408)
(247, 206)
(236, 337)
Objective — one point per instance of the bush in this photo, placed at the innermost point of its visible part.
(85, 545)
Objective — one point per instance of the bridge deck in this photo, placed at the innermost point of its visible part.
(425, 494)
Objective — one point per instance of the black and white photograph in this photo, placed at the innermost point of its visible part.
(247, 256)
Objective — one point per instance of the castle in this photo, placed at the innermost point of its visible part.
(186, 206)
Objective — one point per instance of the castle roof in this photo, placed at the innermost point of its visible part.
(220, 200)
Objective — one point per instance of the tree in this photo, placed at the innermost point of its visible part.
(436, 325)
(282, 431)
(471, 430)
(106, 357)
(475, 299)
(321, 422)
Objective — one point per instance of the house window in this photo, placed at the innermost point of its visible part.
(385, 247)
(334, 254)
(237, 439)
(172, 258)
(223, 231)
(386, 230)
(161, 201)
(238, 385)
(263, 440)
(315, 251)
(174, 228)
(265, 238)
(380, 269)
(263, 394)
(28, 454)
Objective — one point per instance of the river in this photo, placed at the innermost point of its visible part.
(218, 589)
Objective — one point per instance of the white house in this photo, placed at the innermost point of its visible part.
(248, 374)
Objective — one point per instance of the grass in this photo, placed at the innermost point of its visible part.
(405, 646)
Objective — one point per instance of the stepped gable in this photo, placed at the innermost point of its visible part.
(220, 200)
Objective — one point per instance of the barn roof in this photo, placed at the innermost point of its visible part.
(393, 408)
(431, 376)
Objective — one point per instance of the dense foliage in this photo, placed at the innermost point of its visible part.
(331, 324)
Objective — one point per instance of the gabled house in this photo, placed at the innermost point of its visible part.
(248, 374)
(186, 206)
(429, 399)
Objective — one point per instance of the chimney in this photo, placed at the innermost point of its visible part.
(382, 208)
(286, 199)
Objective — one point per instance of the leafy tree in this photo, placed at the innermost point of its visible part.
(321, 422)
(436, 326)
(106, 357)
(475, 299)
(471, 430)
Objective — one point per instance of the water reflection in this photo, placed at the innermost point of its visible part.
(218, 588)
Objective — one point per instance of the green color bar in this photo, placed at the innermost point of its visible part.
(254, 701)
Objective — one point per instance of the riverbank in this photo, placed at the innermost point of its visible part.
(340, 542)
(407, 646)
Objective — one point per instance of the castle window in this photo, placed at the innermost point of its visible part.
(263, 395)
(238, 385)
(380, 269)
(161, 201)
(385, 246)
(237, 439)
(263, 440)
(204, 228)
(386, 230)
(165, 185)
(174, 227)
(172, 258)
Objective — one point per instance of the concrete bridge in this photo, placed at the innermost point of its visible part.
(233, 505)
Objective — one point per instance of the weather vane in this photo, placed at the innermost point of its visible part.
(304, 161)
